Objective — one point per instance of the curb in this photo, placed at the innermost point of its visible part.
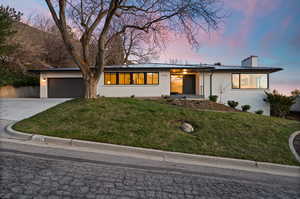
(158, 155)
(17, 134)
(291, 144)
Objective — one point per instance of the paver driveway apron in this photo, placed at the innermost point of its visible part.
(20, 108)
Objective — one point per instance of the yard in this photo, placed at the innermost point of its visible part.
(155, 124)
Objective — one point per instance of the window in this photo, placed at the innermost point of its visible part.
(250, 81)
(124, 78)
(136, 78)
(235, 80)
(110, 78)
(152, 78)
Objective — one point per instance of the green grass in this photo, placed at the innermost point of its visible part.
(150, 124)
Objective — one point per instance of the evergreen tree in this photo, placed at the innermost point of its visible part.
(7, 17)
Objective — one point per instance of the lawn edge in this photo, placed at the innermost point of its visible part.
(159, 155)
(291, 144)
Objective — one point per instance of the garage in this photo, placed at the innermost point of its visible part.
(65, 88)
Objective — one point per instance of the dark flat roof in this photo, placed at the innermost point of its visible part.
(161, 66)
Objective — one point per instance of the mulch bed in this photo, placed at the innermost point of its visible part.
(200, 104)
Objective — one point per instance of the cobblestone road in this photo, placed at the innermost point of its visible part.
(28, 176)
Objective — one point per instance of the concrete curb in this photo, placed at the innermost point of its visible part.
(291, 144)
(158, 155)
(17, 134)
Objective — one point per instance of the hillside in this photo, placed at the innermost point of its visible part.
(38, 49)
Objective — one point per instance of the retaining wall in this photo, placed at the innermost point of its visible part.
(20, 92)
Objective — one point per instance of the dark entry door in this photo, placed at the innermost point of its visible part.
(189, 84)
(65, 87)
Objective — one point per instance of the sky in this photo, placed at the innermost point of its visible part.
(269, 29)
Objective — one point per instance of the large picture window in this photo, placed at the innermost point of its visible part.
(250, 81)
(133, 78)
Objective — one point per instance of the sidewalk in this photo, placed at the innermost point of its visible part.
(297, 144)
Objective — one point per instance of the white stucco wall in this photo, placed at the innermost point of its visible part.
(44, 80)
(222, 82)
(163, 88)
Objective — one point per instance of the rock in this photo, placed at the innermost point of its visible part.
(186, 127)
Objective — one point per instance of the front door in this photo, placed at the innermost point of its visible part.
(189, 84)
(183, 84)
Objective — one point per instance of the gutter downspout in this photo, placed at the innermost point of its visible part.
(210, 80)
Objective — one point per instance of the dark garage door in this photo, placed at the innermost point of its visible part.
(65, 87)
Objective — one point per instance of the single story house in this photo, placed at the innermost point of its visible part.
(245, 84)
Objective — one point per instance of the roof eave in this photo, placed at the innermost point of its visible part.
(265, 70)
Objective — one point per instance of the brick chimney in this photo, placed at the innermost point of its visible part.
(251, 61)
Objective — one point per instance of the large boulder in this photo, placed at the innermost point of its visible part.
(186, 127)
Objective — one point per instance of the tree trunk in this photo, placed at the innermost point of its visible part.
(91, 84)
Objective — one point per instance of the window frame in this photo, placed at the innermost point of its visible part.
(124, 73)
(131, 78)
(239, 88)
(106, 73)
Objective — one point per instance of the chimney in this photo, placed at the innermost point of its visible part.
(251, 61)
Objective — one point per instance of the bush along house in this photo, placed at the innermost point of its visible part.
(245, 84)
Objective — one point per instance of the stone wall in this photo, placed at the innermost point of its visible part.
(12, 92)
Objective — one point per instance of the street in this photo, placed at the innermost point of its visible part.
(41, 172)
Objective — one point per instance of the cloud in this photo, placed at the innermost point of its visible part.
(178, 48)
(251, 11)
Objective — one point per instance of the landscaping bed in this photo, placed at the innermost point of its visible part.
(152, 124)
(199, 104)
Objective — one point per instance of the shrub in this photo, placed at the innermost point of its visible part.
(246, 107)
(16, 78)
(280, 104)
(232, 104)
(213, 98)
(259, 112)
(165, 96)
(132, 96)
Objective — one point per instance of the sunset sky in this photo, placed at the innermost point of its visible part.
(269, 29)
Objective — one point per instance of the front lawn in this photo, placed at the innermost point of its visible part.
(151, 124)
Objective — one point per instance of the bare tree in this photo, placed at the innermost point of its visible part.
(94, 18)
(138, 46)
(55, 53)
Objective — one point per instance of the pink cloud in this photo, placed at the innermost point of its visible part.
(178, 48)
(251, 10)
(285, 89)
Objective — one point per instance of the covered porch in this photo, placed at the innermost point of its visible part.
(186, 83)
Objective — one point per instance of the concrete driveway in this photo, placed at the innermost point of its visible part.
(16, 109)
